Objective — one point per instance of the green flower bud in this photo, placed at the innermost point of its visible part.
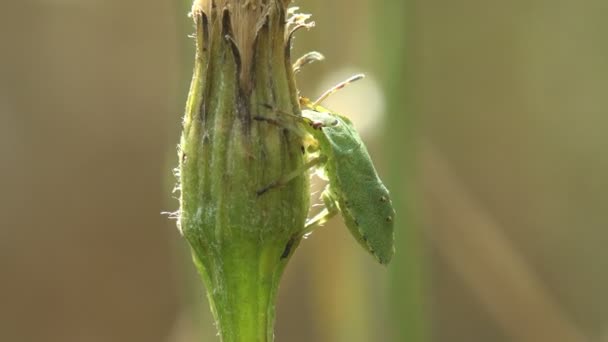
(241, 240)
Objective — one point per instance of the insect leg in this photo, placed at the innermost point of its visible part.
(278, 121)
(293, 174)
(318, 220)
(311, 145)
(330, 210)
(282, 123)
(273, 121)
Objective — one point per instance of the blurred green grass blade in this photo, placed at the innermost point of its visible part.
(408, 269)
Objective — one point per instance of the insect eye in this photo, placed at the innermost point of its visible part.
(335, 123)
(383, 199)
(389, 219)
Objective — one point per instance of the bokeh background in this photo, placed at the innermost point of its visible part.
(488, 121)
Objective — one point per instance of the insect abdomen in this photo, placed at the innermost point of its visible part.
(363, 199)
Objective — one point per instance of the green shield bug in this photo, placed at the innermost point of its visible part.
(354, 189)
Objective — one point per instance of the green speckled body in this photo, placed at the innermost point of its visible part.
(354, 184)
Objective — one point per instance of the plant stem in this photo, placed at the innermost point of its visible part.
(243, 302)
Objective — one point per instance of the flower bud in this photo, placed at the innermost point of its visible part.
(241, 240)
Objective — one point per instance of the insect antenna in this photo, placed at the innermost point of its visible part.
(336, 88)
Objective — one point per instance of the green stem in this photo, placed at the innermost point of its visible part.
(243, 302)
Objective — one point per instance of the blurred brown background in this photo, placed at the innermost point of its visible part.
(487, 120)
